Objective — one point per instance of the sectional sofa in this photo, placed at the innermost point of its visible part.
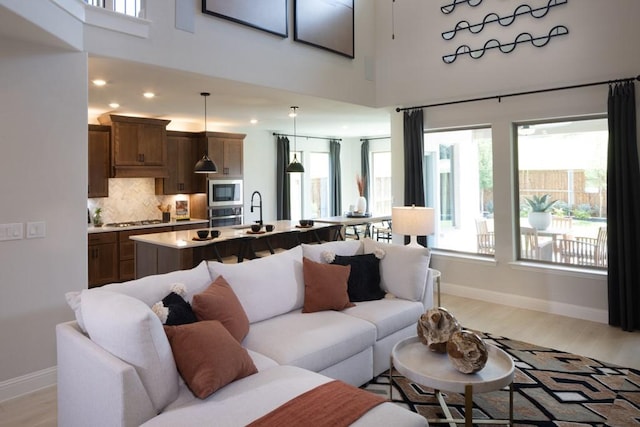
(116, 366)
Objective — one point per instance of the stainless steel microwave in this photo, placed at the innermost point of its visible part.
(225, 192)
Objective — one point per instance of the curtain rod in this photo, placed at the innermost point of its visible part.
(303, 136)
(531, 92)
(373, 139)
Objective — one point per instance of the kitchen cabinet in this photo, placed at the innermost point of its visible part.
(226, 151)
(127, 249)
(102, 258)
(138, 146)
(184, 149)
(99, 149)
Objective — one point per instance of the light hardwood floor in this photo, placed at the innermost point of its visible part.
(591, 339)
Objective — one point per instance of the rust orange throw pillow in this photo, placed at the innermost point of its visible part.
(325, 286)
(207, 356)
(219, 302)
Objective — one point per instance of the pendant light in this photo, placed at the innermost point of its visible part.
(205, 164)
(295, 166)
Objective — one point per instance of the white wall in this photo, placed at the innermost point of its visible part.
(43, 177)
(224, 49)
(411, 72)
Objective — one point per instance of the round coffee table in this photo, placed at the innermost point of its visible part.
(416, 362)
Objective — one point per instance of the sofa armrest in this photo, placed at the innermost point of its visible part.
(427, 297)
(94, 387)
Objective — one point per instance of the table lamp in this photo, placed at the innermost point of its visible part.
(413, 221)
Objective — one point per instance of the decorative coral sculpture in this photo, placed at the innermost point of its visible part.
(435, 327)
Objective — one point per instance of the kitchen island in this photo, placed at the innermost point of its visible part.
(178, 250)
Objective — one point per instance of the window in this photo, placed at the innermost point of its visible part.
(127, 7)
(459, 185)
(320, 195)
(380, 194)
(295, 199)
(310, 191)
(562, 172)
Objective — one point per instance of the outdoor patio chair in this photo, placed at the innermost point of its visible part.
(485, 238)
(600, 256)
(577, 251)
(531, 247)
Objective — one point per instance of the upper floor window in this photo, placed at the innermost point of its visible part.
(126, 7)
(562, 191)
(459, 185)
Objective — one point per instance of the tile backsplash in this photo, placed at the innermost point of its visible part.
(132, 199)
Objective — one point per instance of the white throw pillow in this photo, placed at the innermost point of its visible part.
(343, 248)
(403, 269)
(149, 290)
(266, 287)
(128, 329)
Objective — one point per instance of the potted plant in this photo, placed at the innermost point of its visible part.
(97, 217)
(540, 215)
(361, 205)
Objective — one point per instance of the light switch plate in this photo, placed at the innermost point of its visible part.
(12, 231)
(36, 230)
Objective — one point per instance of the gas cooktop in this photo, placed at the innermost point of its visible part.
(133, 223)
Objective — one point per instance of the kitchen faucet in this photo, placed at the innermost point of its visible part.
(258, 206)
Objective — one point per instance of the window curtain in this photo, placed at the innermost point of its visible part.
(365, 170)
(623, 201)
(283, 187)
(335, 177)
(413, 157)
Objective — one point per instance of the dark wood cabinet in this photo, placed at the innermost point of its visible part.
(99, 150)
(138, 146)
(127, 249)
(226, 150)
(184, 149)
(103, 258)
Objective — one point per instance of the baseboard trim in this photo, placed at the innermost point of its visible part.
(545, 306)
(29, 383)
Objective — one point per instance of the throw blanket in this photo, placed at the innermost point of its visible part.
(332, 404)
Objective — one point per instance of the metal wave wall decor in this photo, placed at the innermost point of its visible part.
(449, 8)
(505, 21)
(540, 41)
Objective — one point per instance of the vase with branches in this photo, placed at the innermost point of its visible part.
(361, 205)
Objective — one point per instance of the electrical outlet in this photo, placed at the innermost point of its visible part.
(13, 231)
(36, 230)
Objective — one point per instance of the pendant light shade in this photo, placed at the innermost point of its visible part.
(205, 164)
(295, 166)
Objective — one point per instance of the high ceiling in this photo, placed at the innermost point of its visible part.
(230, 107)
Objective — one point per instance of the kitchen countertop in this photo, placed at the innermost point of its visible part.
(185, 238)
(105, 229)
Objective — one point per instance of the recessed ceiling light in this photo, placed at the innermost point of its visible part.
(148, 94)
(99, 82)
(114, 105)
(253, 121)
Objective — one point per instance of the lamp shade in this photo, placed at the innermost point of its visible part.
(412, 221)
(205, 165)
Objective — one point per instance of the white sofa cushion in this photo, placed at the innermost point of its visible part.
(149, 290)
(248, 399)
(388, 315)
(403, 269)
(266, 287)
(312, 341)
(152, 289)
(344, 248)
(128, 329)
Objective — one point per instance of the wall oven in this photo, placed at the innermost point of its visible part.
(220, 217)
(225, 192)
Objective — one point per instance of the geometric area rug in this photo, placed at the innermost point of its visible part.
(550, 388)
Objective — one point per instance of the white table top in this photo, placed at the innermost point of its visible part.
(355, 220)
(415, 361)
